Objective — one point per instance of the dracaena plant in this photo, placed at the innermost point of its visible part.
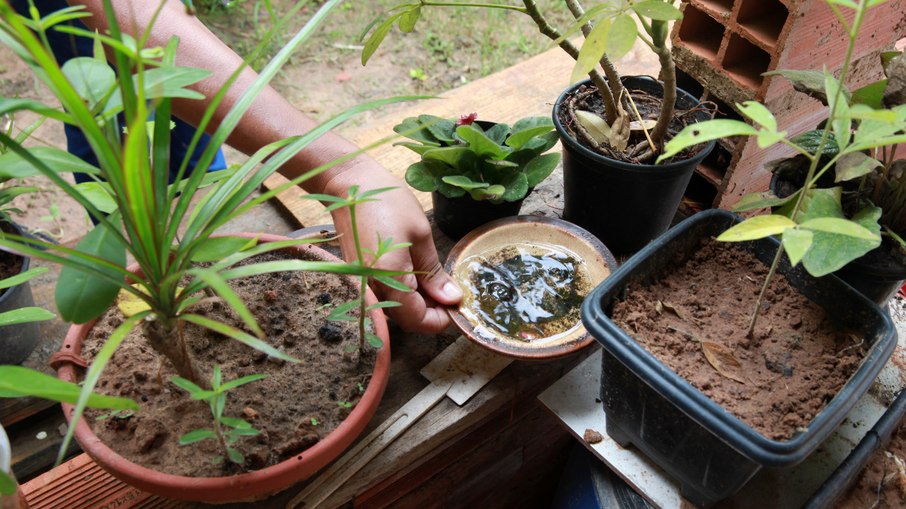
(150, 220)
(499, 164)
(610, 30)
(857, 142)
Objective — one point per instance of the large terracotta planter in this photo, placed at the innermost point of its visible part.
(252, 485)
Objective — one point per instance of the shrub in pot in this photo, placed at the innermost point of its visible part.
(477, 171)
(181, 265)
(609, 131)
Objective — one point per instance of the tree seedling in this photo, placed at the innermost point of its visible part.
(226, 430)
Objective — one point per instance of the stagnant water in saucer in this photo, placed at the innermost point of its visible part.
(526, 291)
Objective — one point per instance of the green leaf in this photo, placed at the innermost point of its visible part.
(235, 456)
(837, 98)
(756, 228)
(831, 249)
(811, 140)
(441, 128)
(755, 201)
(807, 82)
(540, 168)
(840, 226)
(232, 384)
(241, 336)
(796, 242)
(214, 249)
(235, 422)
(18, 279)
(480, 143)
(18, 381)
(514, 190)
(528, 128)
(845, 3)
(92, 79)
(759, 114)
(622, 36)
(871, 95)
(187, 385)
(657, 9)
(820, 202)
(414, 128)
(457, 157)
(374, 340)
(700, 132)
(592, 50)
(393, 283)
(25, 315)
(377, 37)
(464, 182)
(854, 165)
(197, 436)
(384, 304)
(420, 177)
(99, 194)
(409, 18)
(7, 484)
(13, 166)
(82, 296)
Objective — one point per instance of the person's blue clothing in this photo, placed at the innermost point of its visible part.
(67, 46)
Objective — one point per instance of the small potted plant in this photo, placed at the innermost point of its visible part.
(187, 294)
(477, 171)
(671, 396)
(612, 128)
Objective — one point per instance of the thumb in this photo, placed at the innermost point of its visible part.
(433, 281)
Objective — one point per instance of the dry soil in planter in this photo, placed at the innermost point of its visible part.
(295, 406)
(882, 484)
(796, 363)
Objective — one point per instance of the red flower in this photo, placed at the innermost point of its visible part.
(467, 119)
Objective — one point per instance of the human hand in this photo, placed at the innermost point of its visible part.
(396, 214)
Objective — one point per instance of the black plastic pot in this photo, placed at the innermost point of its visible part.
(625, 205)
(848, 472)
(709, 451)
(458, 216)
(17, 341)
(876, 274)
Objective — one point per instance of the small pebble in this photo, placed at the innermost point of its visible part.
(592, 437)
(41, 435)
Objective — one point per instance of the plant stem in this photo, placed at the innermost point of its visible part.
(169, 341)
(469, 4)
(668, 76)
(813, 166)
(363, 280)
(614, 90)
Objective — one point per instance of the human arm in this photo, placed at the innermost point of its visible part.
(398, 215)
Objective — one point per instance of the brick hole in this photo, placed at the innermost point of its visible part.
(689, 84)
(764, 19)
(745, 62)
(713, 168)
(700, 33)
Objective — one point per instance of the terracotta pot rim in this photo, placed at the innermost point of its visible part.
(251, 485)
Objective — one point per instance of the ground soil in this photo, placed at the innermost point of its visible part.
(882, 484)
(294, 407)
(776, 382)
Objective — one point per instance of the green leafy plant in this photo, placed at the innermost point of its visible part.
(610, 30)
(150, 220)
(857, 143)
(226, 430)
(342, 311)
(499, 164)
(26, 314)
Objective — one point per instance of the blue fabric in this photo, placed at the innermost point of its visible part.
(67, 46)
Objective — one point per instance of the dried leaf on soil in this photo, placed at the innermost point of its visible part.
(722, 360)
(661, 306)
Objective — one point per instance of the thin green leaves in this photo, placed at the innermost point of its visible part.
(17, 381)
(701, 132)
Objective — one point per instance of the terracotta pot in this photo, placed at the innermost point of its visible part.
(252, 485)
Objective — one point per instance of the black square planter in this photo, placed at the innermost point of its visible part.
(708, 450)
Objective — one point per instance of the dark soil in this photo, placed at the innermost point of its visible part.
(882, 484)
(778, 381)
(586, 98)
(294, 407)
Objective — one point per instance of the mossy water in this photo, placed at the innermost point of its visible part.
(526, 292)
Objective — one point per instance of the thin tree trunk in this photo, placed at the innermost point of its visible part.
(545, 28)
(172, 345)
(613, 77)
(668, 75)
